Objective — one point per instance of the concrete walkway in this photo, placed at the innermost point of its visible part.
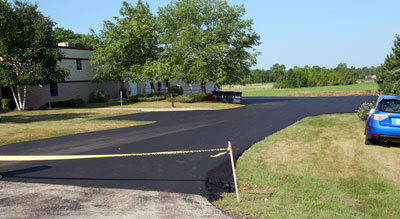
(32, 200)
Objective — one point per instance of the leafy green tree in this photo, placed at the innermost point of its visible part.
(207, 40)
(80, 40)
(388, 76)
(258, 76)
(128, 48)
(63, 35)
(277, 72)
(28, 53)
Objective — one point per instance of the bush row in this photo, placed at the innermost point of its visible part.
(146, 98)
(191, 98)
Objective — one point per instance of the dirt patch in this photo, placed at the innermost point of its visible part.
(335, 94)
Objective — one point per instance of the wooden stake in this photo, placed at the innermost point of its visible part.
(233, 170)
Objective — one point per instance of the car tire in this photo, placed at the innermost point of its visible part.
(369, 141)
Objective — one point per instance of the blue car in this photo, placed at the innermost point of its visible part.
(382, 123)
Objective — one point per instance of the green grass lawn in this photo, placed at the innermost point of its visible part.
(267, 90)
(317, 168)
(32, 125)
(163, 104)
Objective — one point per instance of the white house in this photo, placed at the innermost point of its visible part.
(79, 83)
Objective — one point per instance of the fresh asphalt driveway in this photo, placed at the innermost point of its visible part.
(189, 173)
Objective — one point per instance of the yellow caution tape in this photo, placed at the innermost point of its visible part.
(75, 157)
(220, 154)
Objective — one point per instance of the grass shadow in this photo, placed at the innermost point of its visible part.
(40, 118)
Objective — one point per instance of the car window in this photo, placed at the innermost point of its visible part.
(390, 106)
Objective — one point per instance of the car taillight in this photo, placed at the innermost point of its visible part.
(379, 117)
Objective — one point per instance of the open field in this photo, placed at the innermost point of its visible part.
(318, 168)
(163, 104)
(267, 90)
(32, 125)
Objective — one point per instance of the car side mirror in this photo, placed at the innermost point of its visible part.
(367, 108)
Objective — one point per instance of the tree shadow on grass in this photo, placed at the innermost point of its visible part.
(40, 118)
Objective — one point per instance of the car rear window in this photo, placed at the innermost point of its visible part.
(390, 106)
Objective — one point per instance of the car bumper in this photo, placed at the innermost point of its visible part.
(375, 131)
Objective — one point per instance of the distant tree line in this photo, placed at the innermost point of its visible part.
(309, 76)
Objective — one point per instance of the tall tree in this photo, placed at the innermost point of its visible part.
(277, 72)
(63, 35)
(388, 75)
(127, 49)
(207, 40)
(28, 52)
(80, 40)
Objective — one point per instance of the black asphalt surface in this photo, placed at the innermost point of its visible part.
(189, 173)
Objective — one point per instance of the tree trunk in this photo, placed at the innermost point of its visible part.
(152, 87)
(24, 99)
(15, 99)
(19, 101)
(203, 87)
(19, 98)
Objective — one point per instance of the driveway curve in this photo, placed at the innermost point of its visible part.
(188, 173)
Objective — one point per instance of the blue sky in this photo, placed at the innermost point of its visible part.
(293, 32)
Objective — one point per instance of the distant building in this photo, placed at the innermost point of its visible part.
(370, 77)
(79, 83)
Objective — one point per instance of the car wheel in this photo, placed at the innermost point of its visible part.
(369, 141)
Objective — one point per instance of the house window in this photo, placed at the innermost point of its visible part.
(79, 64)
(54, 89)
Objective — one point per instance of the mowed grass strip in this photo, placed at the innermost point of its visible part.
(317, 168)
(267, 90)
(32, 125)
(163, 104)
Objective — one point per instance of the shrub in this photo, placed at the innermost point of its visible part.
(133, 98)
(361, 112)
(55, 104)
(97, 96)
(184, 99)
(152, 98)
(5, 104)
(72, 103)
(175, 91)
(199, 97)
(144, 98)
